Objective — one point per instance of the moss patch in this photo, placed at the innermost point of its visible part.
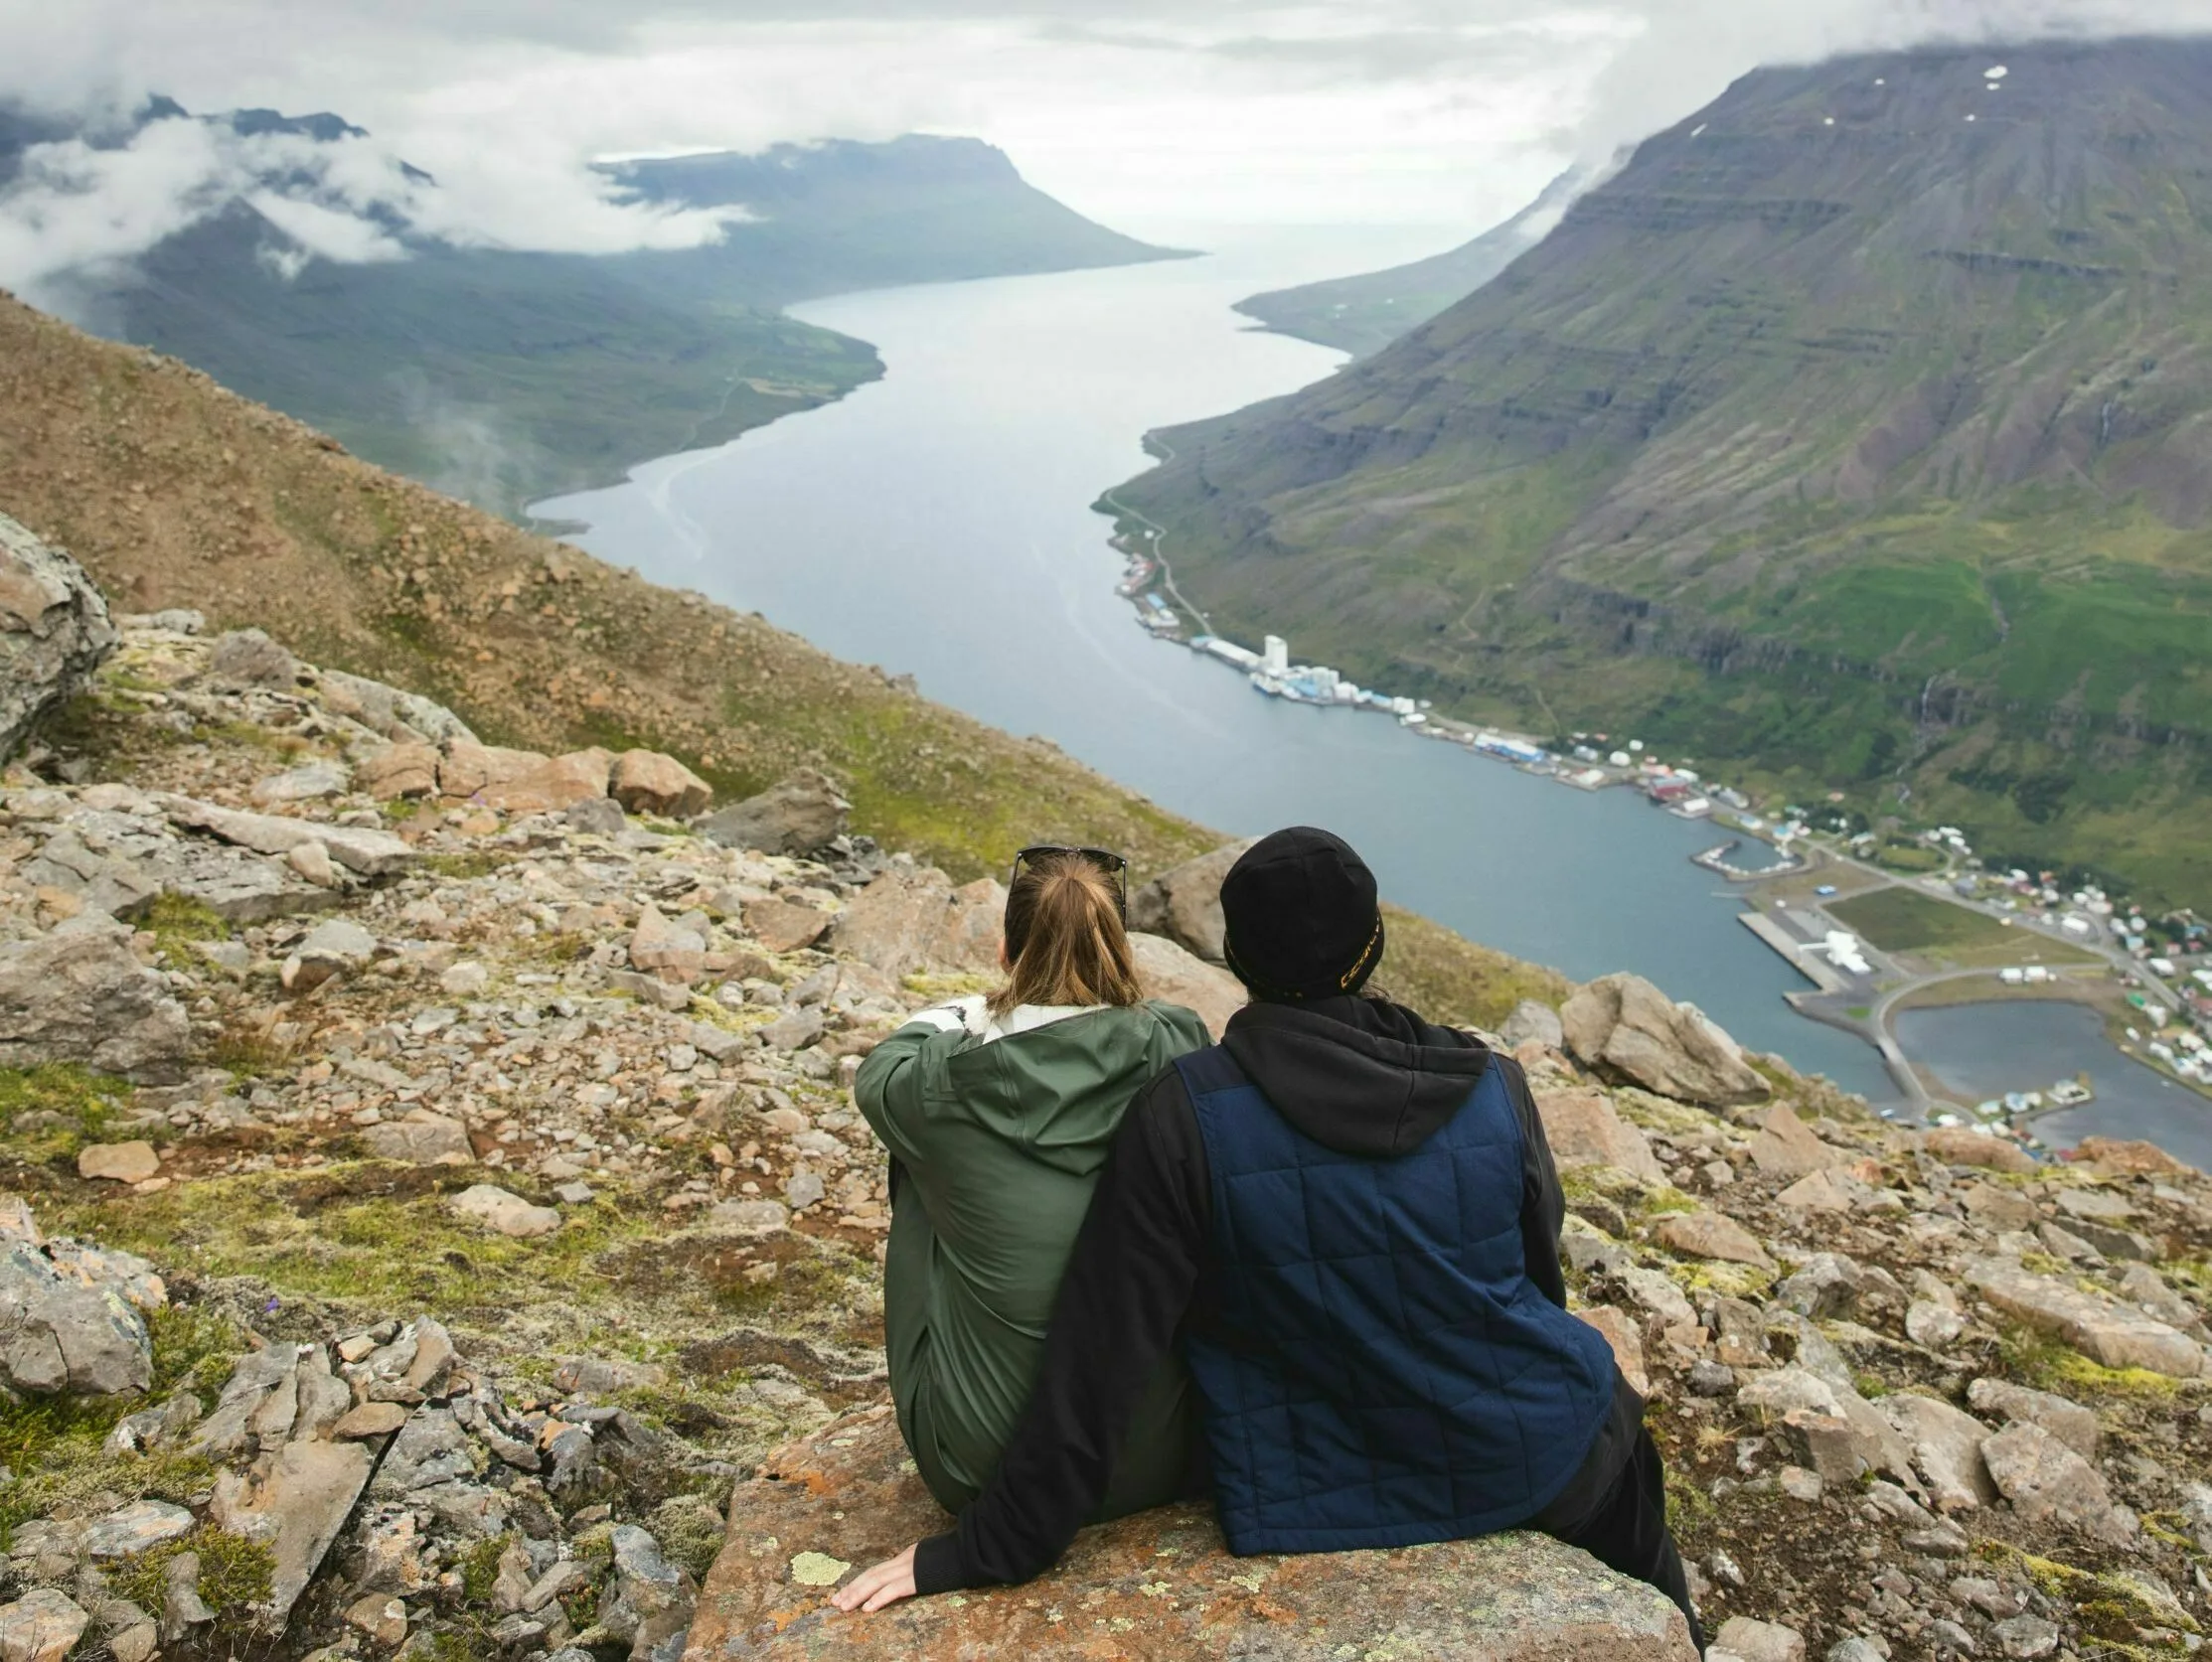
(176, 921)
(49, 1112)
(235, 1575)
(52, 1443)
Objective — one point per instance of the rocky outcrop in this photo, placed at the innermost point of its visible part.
(1626, 1025)
(1178, 977)
(72, 1317)
(1184, 903)
(1583, 1129)
(54, 632)
(82, 996)
(2095, 1323)
(1158, 1586)
(795, 815)
(402, 716)
(914, 918)
(365, 852)
(1533, 1023)
(646, 782)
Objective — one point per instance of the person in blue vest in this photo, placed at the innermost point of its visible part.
(1348, 1219)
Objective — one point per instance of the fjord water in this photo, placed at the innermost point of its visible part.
(1985, 1050)
(939, 523)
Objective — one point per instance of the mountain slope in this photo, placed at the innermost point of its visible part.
(1861, 429)
(504, 375)
(176, 493)
(1364, 314)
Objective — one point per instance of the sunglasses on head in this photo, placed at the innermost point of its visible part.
(1106, 861)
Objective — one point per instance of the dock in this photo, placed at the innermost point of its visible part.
(1816, 968)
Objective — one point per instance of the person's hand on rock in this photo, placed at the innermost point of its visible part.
(878, 1586)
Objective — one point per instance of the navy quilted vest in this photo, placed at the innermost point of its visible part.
(1382, 1372)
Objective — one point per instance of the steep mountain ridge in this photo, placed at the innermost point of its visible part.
(1362, 314)
(1856, 429)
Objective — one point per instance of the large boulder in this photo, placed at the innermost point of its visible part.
(73, 1316)
(647, 782)
(1784, 1146)
(1181, 978)
(2043, 1478)
(1583, 1129)
(1184, 903)
(2098, 1325)
(248, 658)
(1155, 1588)
(914, 918)
(399, 715)
(467, 767)
(79, 996)
(54, 630)
(1626, 1024)
(294, 1500)
(795, 815)
(557, 783)
(359, 849)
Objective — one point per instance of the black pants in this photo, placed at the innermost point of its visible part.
(1615, 1509)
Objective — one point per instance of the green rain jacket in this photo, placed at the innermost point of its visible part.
(999, 1145)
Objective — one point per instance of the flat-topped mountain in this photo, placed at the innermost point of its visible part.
(1856, 429)
(505, 376)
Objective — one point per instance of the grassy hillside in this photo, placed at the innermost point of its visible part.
(177, 493)
(1841, 436)
(497, 377)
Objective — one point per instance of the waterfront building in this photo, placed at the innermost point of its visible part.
(1275, 657)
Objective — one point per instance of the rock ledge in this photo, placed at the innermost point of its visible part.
(1158, 1586)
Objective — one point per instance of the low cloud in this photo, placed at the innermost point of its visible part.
(79, 211)
(1445, 111)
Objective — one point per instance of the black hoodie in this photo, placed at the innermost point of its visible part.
(1356, 1075)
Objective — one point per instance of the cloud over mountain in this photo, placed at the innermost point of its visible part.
(1435, 110)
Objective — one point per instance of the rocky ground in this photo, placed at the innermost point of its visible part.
(435, 1186)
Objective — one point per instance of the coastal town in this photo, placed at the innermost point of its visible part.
(1880, 918)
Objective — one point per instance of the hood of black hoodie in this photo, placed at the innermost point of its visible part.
(1356, 1075)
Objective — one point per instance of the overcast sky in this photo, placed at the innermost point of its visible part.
(1140, 112)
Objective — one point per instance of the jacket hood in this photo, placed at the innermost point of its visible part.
(1058, 1091)
(1356, 1075)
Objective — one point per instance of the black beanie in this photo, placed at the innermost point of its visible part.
(1301, 917)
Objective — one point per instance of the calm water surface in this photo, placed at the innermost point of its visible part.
(1987, 1050)
(938, 523)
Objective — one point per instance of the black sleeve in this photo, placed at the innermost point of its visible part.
(1543, 1204)
(1129, 1285)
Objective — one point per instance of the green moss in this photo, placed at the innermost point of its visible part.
(177, 920)
(2113, 1604)
(2039, 1360)
(49, 1112)
(479, 1567)
(690, 1530)
(329, 1236)
(248, 735)
(236, 1573)
(54, 1444)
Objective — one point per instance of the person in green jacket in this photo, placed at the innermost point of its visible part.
(997, 1113)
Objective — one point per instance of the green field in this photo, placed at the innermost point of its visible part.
(1902, 919)
(1907, 921)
